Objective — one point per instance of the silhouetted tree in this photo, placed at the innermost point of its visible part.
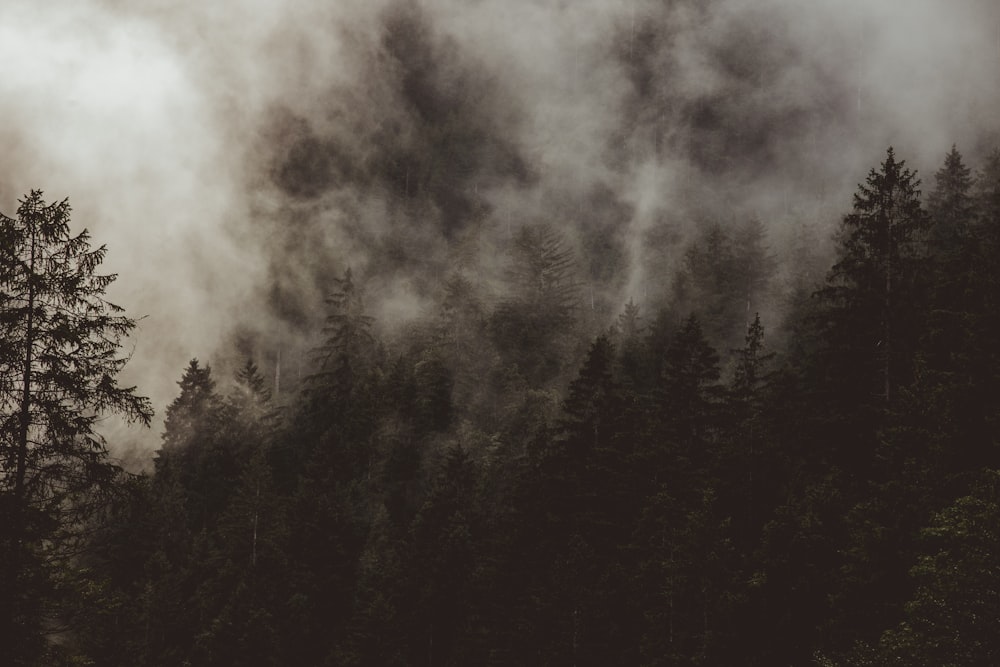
(60, 355)
(872, 285)
(532, 326)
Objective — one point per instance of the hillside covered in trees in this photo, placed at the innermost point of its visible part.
(516, 478)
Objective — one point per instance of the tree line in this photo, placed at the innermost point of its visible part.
(514, 481)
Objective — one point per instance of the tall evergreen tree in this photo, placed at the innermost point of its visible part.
(345, 352)
(869, 324)
(689, 399)
(193, 477)
(441, 546)
(726, 274)
(950, 205)
(60, 355)
(743, 463)
(461, 332)
(196, 402)
(872, 284)
(532, 327)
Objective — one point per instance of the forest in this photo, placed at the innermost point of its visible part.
(514, 478)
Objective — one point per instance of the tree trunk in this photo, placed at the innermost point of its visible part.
(887, 314)
(25, 407)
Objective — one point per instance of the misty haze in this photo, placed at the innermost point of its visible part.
(500, 332)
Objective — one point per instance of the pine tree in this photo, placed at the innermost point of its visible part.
(532, 326)
(196, 455)
(243, 592)
(60, 355)
(187, 413)
(741, 467)
(194, 474)
(853, 369)
(628, 321)
(347, 344)
(689, 394)
(951, 209)
(710, 285)
(985, 269)
(950, 205)
(460, 334)
(751, 372)
(250, 387)
(986, 191)
(950, 617)
(726, 273)
(441, 546)
(873, 283)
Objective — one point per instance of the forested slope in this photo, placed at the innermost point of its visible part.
(511, 480)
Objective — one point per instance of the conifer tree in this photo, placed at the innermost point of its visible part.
(443, 560)
(951, 212)
(950, 205)
(250, 386)
(986, 191)
(746, 409)
(689, 393)
(532, 326)
(186, 414)
(726, 273)
(60, 355)
(347, 338)
(633, 358)
(338, 390)
(872, 284)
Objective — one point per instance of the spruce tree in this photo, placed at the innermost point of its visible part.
(532, 327)
(347, 338)
(871, 287)
(60, 355)
(186, 414)
(950, 205)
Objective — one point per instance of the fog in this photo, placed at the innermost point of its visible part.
(236, 156)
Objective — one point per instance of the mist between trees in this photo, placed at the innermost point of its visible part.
(526, 333)
(532, 476)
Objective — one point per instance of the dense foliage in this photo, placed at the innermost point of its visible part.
(60, 355)
(512, 482)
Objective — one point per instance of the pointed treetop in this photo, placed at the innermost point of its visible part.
(594, 391)
(893, 176)
(950, 202)
(628, 320)
(250, 383)
(987, 187)
(884, 228)
(690, 358)
(197, 380)
(751, 361)
(196, 399)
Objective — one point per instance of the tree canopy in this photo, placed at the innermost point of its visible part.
(60, 354)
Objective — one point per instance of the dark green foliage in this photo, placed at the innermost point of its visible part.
(950, 206)
(443, 537)
(531, 326)
(746, 460)
(873, 286)
(60, 355)
(346, 352)
(950, 619)
(461, 330)
(688, 581)
(495, 484)
(688, 395)
(727, 275)
(195, 403)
